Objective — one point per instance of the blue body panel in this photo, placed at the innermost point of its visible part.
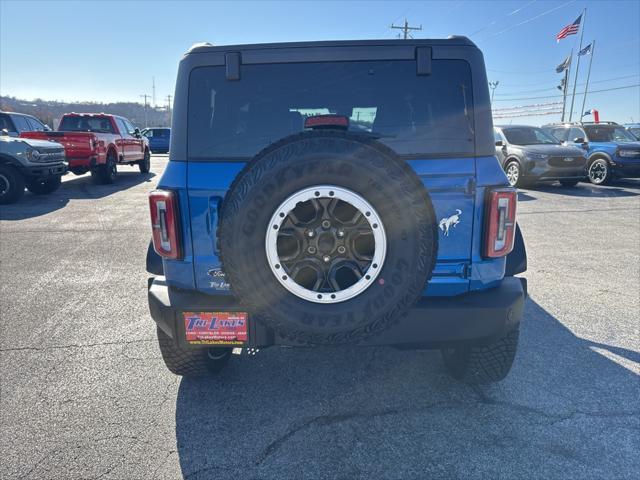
(157, 143)
(455, 184)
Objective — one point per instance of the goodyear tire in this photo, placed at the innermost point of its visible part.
(482, 364)
(191, 363)
(366, 237)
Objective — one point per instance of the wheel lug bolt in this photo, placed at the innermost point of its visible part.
(326, 258)
(311, 249)
(326, 224)
(341, 249)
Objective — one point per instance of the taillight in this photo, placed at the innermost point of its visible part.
(165, 224)
(500, 222)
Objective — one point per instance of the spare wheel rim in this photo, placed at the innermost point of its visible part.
(326, 244)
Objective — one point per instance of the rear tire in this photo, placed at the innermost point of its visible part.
(11, 184)
(44, 187)
(482, 364)
(569, 183)
(191, 363)
(145, 163)
(107, 172)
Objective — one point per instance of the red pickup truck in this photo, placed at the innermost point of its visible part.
(97, 143)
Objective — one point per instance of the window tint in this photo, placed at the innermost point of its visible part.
(21, 123)
(6, 123)
(528, 136)
(560, 133)
(607, 133)
(412, 114)
(575, 133)
(80, 123)
(35, 124)
(122, 126)
(129, 125)
(496, 136)
(160, 132)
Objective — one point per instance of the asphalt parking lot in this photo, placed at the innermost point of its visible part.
(85, 394)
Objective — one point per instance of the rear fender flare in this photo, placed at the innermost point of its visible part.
(154, 261)
(517, 259)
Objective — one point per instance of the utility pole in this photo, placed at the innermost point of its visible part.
(493, 86)
(145, 96)
(169, 108)
(153, 91)
(406, 28)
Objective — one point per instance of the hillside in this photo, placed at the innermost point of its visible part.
(51, 111)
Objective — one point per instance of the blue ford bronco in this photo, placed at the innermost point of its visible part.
(335, 193)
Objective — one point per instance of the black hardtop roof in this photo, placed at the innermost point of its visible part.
(454, 40)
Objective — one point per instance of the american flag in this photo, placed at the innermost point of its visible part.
(571, 29)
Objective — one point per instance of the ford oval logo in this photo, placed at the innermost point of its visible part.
(568, 159)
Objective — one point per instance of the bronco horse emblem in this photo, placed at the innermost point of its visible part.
(448, 222)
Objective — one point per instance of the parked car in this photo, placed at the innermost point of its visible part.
(335, 193)
(634, 129)
(97, 143)
(36, 164)
(612, 151)
(159, 139)
(16, 123)
(529, 155)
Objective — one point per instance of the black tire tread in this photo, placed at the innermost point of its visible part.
(45, 187)
(483, 364)
(17, 180)
(187, 363)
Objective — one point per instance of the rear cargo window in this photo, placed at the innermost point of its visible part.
(413, 115)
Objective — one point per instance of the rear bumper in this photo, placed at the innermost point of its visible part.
(432, 323)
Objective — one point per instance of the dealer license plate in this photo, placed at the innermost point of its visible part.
(216, 328)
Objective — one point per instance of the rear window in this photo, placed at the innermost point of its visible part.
(85, 124)
(413, 115)
(159, 133)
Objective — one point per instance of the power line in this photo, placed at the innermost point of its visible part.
(556, 96)
(529, 20)
(501, 18)
(580, 84)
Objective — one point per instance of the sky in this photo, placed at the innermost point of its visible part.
(111, 50)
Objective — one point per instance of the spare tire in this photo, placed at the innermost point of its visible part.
(327, 237)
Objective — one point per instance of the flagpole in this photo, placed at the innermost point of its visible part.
(566, 85)
(586, 87)
(575, 81)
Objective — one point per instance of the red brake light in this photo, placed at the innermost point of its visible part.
(500, 222)
(327, 121)
(164, 224)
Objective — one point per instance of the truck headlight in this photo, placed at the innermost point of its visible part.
(629, 153)
(536, 156)
(33, 155)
